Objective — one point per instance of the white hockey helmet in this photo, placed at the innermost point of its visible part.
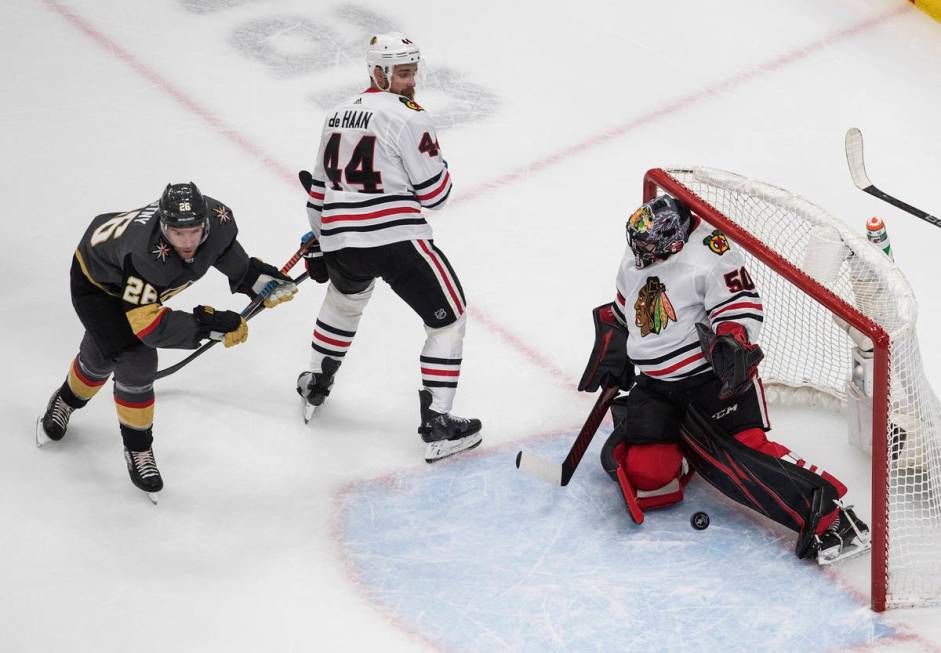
(389, 50)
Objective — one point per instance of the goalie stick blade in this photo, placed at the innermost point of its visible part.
(855, 160)
(530, 463)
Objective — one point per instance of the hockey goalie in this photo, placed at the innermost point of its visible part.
(681, 339)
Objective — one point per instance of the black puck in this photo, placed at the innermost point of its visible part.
(699, 521)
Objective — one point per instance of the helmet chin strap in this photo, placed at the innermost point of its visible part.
(388, 77)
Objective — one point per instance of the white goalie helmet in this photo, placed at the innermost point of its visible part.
(388, 50)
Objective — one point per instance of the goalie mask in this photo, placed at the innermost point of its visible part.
(387, 51)
(657, 230)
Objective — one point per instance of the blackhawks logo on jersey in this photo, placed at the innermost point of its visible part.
(653, 310)
(717, 242)
(411, 104)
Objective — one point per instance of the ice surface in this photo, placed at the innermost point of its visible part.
(273, 536)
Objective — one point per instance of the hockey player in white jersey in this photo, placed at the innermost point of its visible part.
(378, 167)
(687, 316)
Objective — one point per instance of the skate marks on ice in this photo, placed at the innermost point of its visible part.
(475, 556)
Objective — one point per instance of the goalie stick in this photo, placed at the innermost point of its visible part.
(554, 473)
(251, 310)
(857, 166)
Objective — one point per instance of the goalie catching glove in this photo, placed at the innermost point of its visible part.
(259, 275)
(226, 326)
(608, 364)
(733, 358)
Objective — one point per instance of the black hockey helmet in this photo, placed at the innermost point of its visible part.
(182, 205)
(658, 229)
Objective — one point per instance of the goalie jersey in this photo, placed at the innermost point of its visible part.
(379, 164)
(660, 304)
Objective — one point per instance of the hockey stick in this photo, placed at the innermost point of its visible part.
(251, 310)
(857, 166)
(562, 474)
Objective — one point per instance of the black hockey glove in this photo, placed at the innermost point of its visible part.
(227, 326)
(733, 358)
(259, 275)
(313, 261)
(608, 364)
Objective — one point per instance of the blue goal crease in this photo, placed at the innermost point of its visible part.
(476, 555)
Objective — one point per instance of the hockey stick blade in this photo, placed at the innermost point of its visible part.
(530, 463)
(857, 165)
(562, 474)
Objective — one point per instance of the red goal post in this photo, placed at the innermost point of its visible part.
(826, 290)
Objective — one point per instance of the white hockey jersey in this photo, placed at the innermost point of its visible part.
(379, 164)
(660, 304)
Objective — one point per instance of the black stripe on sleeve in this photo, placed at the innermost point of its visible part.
(441, 201)
(426, 184)
(740, 316)
(733, 298)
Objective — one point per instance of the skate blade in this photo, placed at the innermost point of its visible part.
(41, 437)
(851, 551)
(435, 451)
(153, 498)
(308, 409)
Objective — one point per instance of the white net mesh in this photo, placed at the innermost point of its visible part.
(809, 357)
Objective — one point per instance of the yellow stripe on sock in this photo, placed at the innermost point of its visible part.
(136, 416)
(83, 388)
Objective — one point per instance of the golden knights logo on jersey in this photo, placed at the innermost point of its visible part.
(653, 310)
(716, 242)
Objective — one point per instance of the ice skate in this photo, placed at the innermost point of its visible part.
(55, 421)
(445, 434)
(314, 387)
(142, 468)
(846, 538)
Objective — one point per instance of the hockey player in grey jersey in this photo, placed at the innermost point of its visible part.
(687, 316)
(126, 265)
(379, 165)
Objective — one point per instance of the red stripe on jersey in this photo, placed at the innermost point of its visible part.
(84, 379)
(331, 341)
(621, 299)
(441, 187)
(368, 216)
(738, 305)
(675, 366)
(153, 325)
(316, 196)
(444, 275)
(428, 370)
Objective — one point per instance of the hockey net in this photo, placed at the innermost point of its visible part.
(839, 331)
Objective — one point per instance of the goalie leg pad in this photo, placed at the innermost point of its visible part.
(781, 490)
